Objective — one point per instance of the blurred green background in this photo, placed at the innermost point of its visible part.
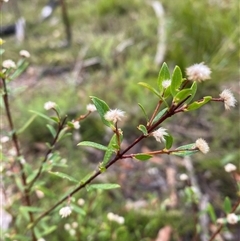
(113, 47)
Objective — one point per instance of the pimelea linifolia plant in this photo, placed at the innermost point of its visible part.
(174, 94)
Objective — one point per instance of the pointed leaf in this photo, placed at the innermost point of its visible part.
(160, 114)
(176, 80)
(227, 206)
(105, 186)
(197, 104)
(49, 230)
(78, 209)
(185, 150)
(102, 108)
(42, 115)
(87, 177)
(52, 130)
(30, 209)
(181, 95)
(211, 212)
(55, 119)
(144, 111)
(142, 156)
(28, 123)
(164, 74)
(143, 129)
(64, 176)
(168, 141)
(150, 88)
(63, 133)
(194, 90)
(93, 144)
(21, 66)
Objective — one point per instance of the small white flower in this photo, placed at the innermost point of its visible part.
(230, 167)
(41, 239)
(74, 224)
(39, 194)
(232, 218)
(4, 139)
(116, 218)
(220, 221)
(7, 64)
(24, 53)
(22, 160)
(114, 115)
(198, 72)
(91, 108)
(49, 105)
(81, 202)
(228, 98)
(76, 125)
(12, 152)
(159, 134)
(202, 145)
(183, 177)
(67, 226)
(166, 83)
(72, 232)
(65, 211)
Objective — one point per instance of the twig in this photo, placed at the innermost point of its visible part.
(17, 147)
(60, 127)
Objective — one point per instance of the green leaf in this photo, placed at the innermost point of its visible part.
(28, 123)
(142, 156)
(168, 141)
(107, 156)
(181, 95)
(55, 119)
(30, 209)
(78, 210)
(21, 67)
(63, 133)
(52, 130)
(160, 114)
(104, 186)
(227, 206)
(49, 230)
(102, 108)
(64, 176)
(194, 91)
(185, 150)
(87, 177)
(164, 74)
(176, 80)
(151, 89)
(211, 212)
(42, 115)
(143, 129)
(93, 144)
(197, 104)
(144, 111)
(113, 146)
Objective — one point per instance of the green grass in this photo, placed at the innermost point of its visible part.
(196, 31)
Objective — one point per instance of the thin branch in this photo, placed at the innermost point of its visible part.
(98, 172)
(17, 147)
(60, 127)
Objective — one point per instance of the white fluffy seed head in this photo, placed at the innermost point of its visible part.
(198, 72)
